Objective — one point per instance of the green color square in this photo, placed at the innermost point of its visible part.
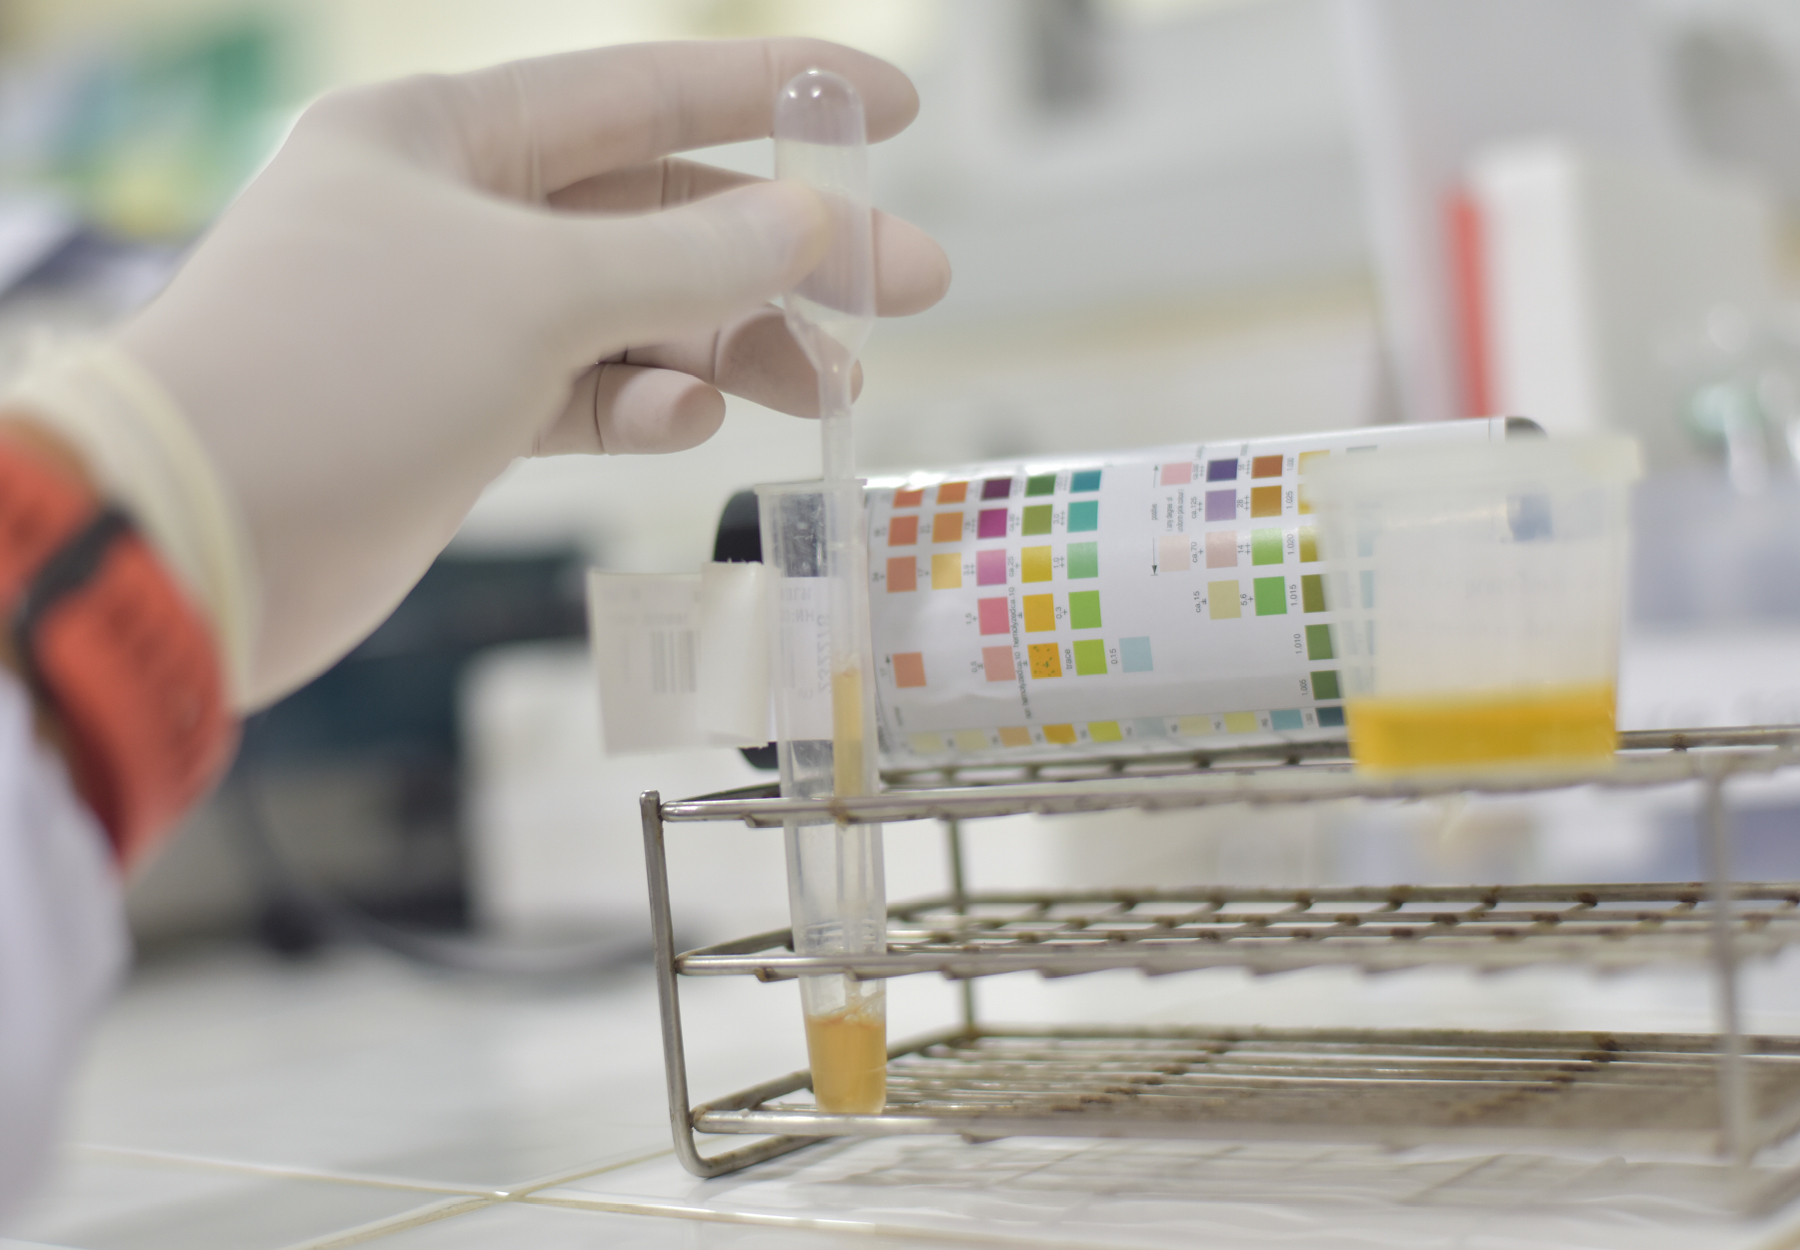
(1037, 520)
(1265, 546)
(1312, 592)
(1090, 657)
(1084, 609)
(1325, 684)
(1318, 642)
(1084, 516)
(1041, 484)
(1084, 559)
(1271, 596)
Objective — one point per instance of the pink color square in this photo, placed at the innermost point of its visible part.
(994, 617)
(1178, 474)
(909, 669)
(1221, 549)
(997, 662)
(990, 568)
(902, 574)
(993, 523)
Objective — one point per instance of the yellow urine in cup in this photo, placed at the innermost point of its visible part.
(848, 1053)
(1558, 725)
(846, 732)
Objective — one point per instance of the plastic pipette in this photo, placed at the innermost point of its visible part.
(835, 872)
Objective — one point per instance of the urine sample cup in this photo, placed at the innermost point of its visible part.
(1477, 596)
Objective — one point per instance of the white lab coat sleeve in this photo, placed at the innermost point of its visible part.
(63, 943)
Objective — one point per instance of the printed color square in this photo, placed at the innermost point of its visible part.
(996, 488)
(1288, 718)
(990, 568)
(1221, 470)
(1084, 559)
(903, 531)
(1318, 642)
(991, 523)
(1090, 657)
(1367, 578)
(946, 527)
(1083, 480)
(1037, 520)
(1265, 546)
(994, 617)
(1150, 727)
(1222, 601)
(1046, 659)
(1174, 554)
(1312, 593)
(1084, 609)
(908, 498)
(952, 492)
(1221, 549)
(946, 571)
(1084, 516)
(1310, 458)
(1266, 466)
(1240, 722)
(971, 740)
(1271, 596)
(1309, 545)
(1178, 474)
(909, 669)
(1325, 684)
(1134, 655)
(1040, 613)
(1194, 726)
(1061, 735)
(1331, 717)
(997, 665)
(902, 574)
(1265, 501)
(1034, 564)
(1040, 484)
(1015, 736)
(925, 744)
(1221, 505)
(1105, 731)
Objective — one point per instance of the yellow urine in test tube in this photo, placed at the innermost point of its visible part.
(848, 1054)
(1559, 725)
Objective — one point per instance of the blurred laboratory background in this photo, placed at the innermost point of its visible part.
(1170, 220)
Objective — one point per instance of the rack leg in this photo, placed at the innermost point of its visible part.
(1733, 1079)
(959, 893)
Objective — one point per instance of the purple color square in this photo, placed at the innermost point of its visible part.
(993, 523)
(1221, 470)
(996, 488)
(1221, 505)
(990, 568)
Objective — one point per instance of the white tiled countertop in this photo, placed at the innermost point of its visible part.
(234, 1103)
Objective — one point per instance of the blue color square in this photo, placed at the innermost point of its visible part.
(1134, 655)
(1084, 480)
(1084, 516)
(1221, 470)
(1287, 718)
(1331, 716)
(1151, 727)
(1221, 505)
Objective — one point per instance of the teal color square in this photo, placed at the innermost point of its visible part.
(1287, 718)
(1331, 717)
(1037, 520)
(1151, 727)
(1084, 516)
(1084, 559)
(1134, 655)
(1084, 480)
(1084, 609)
(1041, 484)
(1271, 596)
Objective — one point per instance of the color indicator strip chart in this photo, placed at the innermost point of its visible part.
(1136, 601)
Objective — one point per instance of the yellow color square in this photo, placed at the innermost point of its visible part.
(1240, 722)
(1046, 659)
(1015, 736)
(971, 740)
(1034, 564)
(1310, 458)
(1105, 731)
(1221, 601)
(1062, 735)
(926, 744)
(946, 571)
(1265, 501)
(1040, 613)
(1309, 544)
(1194, 726)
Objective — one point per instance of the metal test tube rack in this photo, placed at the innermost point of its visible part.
(1723, 1094)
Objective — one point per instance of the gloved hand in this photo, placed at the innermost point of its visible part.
(417, 289)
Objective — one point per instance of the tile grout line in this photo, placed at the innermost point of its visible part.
(208, 1163)
(416, 1218)
(526, 1188)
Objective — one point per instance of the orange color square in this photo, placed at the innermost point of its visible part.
(1046, 659)
(909, 498)
(1265, 501)
(1266, 466)
(1040, 613)
(946, 527)
(903, 531)
(1062, 735)
(952, 492)
(909, 669)
(1015, 736)
(902, 574)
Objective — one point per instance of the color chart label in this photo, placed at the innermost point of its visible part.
(1152, 598)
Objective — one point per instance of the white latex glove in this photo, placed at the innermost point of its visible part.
(417, 289)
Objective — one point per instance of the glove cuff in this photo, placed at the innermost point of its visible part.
(144, 455)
